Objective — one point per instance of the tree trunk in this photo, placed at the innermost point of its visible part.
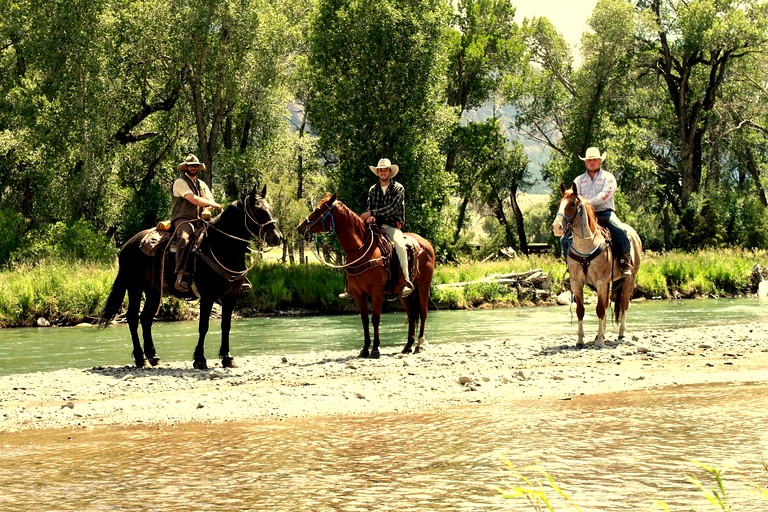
(462, 216)
(518, 219)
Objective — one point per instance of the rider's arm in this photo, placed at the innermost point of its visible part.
(391, 205)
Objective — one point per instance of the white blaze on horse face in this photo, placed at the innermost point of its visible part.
(558, 227)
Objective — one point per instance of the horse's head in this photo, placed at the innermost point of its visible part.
(570, 204)
(321, 218)
(258, 218)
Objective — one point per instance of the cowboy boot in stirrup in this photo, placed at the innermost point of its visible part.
(406, 289)
(245, 286)
(625, 263)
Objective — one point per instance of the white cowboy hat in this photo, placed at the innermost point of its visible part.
(384, 163)
(594, 153)
(190, 160)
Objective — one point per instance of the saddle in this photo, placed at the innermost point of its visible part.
(156, 240)
(391, 262)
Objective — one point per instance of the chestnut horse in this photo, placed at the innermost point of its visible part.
(590, 261)
(219, 274)
(368, 269)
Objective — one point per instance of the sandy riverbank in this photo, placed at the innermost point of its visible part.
(329, 383)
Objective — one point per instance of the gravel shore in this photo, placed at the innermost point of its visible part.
(336, 383)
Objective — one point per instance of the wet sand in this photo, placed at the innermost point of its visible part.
(339, 383)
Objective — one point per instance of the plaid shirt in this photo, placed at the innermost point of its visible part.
(388, 208)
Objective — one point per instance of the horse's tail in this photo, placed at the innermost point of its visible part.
(114, 301)
(617, 289)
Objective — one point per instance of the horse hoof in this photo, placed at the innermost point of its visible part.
(154, 361)
(200, 365)
(228, 362)
(142, 363)
(406, 350)
(375, 354)
(364, 354)
(580, 345)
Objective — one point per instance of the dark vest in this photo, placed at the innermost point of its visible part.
(181, 208)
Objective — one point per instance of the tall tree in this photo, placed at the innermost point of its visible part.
(377, 71)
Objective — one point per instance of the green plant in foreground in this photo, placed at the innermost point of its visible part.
(536, 492)
(533, 490)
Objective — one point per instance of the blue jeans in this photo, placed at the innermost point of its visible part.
(618, 233)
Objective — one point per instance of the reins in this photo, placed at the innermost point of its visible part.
(329, 213)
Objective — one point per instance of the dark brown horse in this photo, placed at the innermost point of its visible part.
(220, 271)
(368, 270)
(590, 261)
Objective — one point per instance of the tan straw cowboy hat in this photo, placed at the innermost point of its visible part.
(384, 163)
(190, 160)
(594, 153)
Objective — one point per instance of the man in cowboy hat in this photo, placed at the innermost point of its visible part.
(386, 208)
(189, 196)
(597, 186)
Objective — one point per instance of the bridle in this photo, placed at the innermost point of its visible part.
(578, 209)
(321, 220)
(247, 215)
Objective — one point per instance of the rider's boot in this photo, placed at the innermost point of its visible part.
(245, 286)
(345, 294)
(406, 289)
(182, 276)
(625, 263)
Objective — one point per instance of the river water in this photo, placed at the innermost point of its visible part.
(613, 452)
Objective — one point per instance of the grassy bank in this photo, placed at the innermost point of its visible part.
(66, 293)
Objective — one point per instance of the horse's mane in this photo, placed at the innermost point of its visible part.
(354, 217)
(591, 215)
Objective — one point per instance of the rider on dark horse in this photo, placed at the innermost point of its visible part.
(190, 196)
(386, 209)
(598, 186)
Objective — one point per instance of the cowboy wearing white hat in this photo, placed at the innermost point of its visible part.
(386, 208)
(189, 196)
(598, 186)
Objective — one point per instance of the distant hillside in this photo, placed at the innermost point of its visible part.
(537, 154)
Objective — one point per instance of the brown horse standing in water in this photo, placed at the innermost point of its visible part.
(590, 261)
(368, 269)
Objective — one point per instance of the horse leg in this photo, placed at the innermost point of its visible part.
(602, 304)
(378, 302)
(151, 302)
(411, 312)
(362, 306)
(423, 310)
(578, 296)
(206, 305)
(132, 315)
(227, 307)
(623, 304)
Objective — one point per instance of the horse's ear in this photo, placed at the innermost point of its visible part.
(574, 189)
(562, 188)
(332, 198)
(254, 189)
(264, 191)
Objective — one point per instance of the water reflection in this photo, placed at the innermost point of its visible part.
(34, 349)
(612, 452)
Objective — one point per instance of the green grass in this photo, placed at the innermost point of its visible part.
(69, 292)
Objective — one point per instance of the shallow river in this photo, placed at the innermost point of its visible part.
(43, 349)
(614, 452)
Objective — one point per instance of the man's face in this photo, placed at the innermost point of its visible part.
(193, 169)
(383, 173)
(593, 164)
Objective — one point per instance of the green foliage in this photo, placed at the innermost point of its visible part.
(11, 233)
(67, 241)
(377, 78)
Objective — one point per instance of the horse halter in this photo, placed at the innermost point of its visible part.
(321, 219)
(578, 208)
(261, 225)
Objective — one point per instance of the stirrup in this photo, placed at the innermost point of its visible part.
(345, 295)
(406, 290)
(182, 283)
